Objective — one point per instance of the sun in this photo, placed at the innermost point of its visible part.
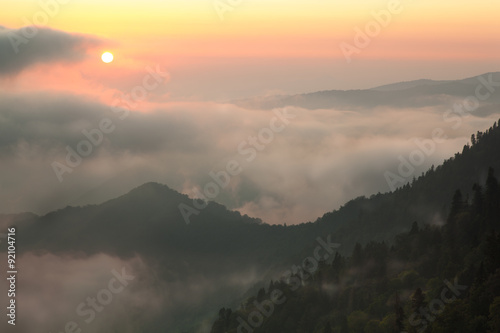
(107, 57)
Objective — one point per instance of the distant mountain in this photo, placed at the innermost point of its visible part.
(409, 84)
(219, 243)
(414, 94)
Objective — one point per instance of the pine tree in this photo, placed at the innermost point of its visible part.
(414, 228)
(417, 302)
(400, 315)
(337, 266)
(357, 255)
(492, 200)
(477, 199)
(328, 328)
(457, 205)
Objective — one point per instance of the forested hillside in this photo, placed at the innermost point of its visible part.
(432, 278)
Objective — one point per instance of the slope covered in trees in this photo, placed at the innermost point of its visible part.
(431, 279)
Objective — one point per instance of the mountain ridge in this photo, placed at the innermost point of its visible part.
(412, 83)
(417, 93)
(164, 202)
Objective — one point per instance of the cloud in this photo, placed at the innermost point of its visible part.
(54, 287)
(29, 46)
(54, 290)
(322, 159)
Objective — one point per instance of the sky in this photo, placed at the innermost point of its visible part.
(264, 46)
(178, 65)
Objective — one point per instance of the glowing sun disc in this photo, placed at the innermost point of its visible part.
(107, 57)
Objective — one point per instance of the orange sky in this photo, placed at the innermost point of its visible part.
(183, 34)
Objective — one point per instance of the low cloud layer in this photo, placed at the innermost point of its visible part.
(29, 46)
(57, 291)
(315, 163)
(53, 291)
